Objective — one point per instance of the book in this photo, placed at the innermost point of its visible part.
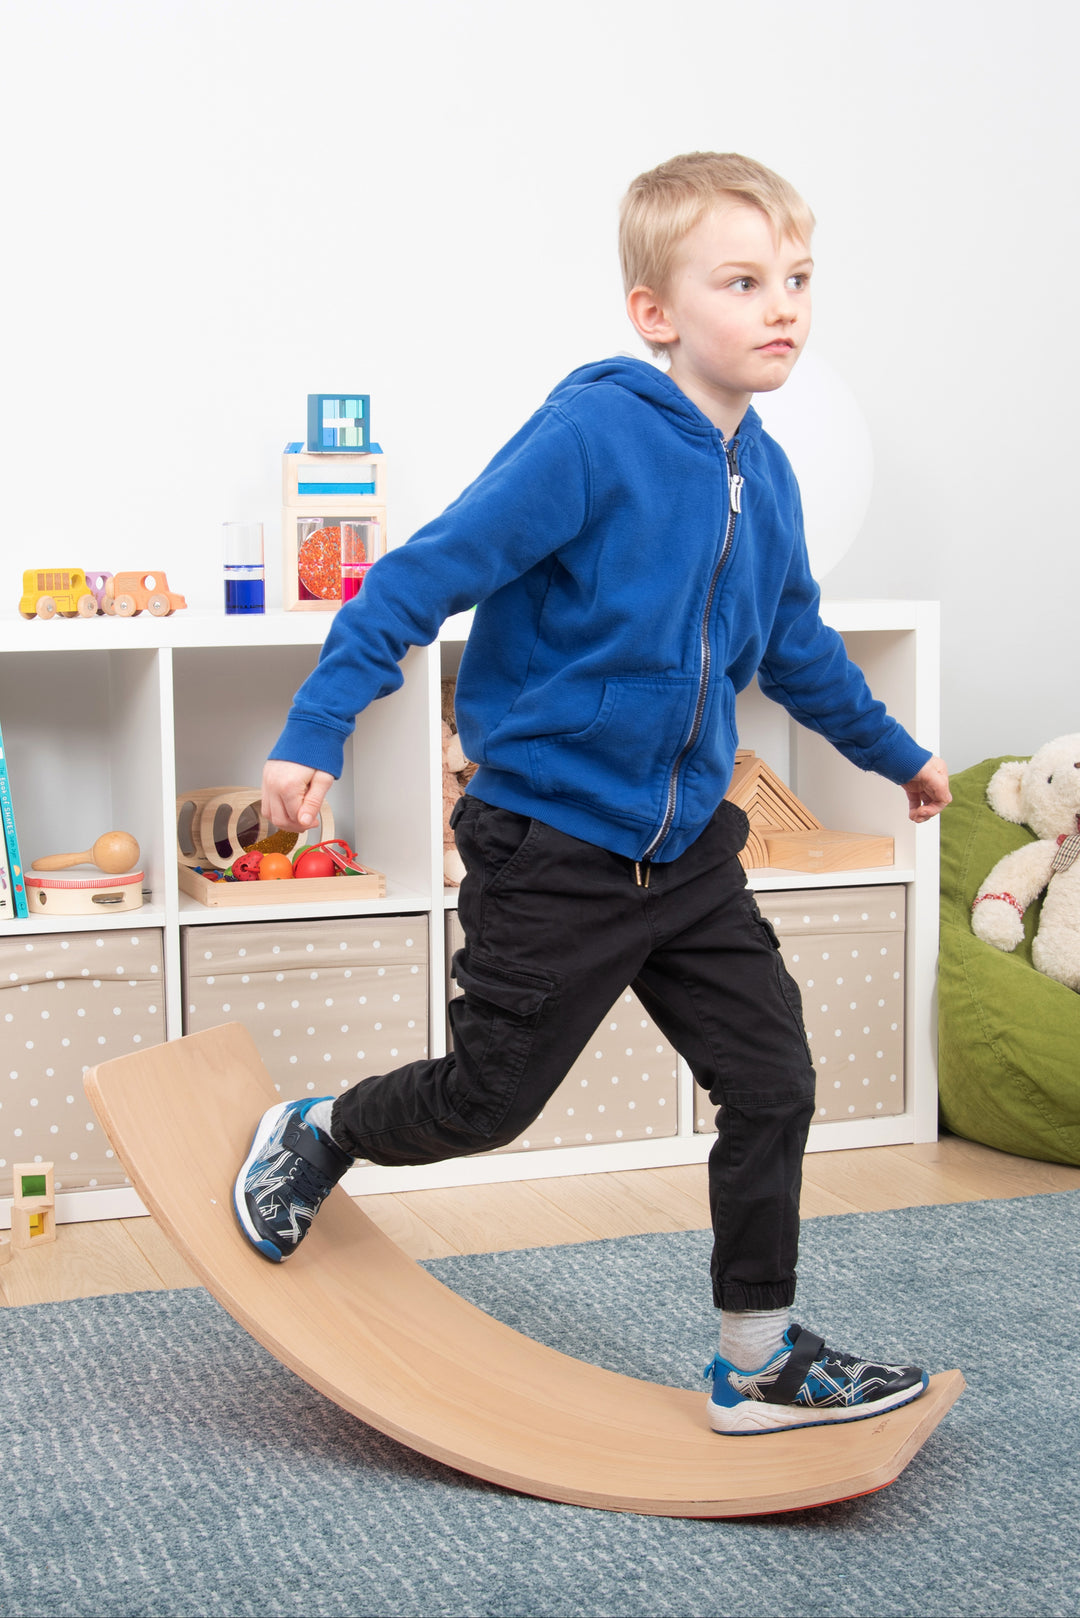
(7, 894)
(13, 859)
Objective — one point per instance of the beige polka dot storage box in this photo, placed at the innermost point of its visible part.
(326, 1001)
(67, 1002)
(622, 1087)
(845, 949)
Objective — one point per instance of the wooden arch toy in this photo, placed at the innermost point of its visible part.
(204, 837)
(359, 1321)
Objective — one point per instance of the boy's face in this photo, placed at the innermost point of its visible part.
(736, 314)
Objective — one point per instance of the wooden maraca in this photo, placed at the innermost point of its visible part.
(114, 852)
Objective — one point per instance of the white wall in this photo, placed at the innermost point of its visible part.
(217, 206)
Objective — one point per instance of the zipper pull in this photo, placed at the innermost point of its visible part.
(735, 482)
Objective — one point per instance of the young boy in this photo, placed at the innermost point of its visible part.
(637, 554)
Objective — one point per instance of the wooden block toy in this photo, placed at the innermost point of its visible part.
(319, 493)
(753, 854)
(786, 836)
(768, 804)
(33, 1207)
(826, 850)
(765, 799)
(339, 422)
(313, 482)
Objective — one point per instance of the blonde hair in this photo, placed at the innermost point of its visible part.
(662, 205)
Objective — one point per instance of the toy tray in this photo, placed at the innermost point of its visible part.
(297, 890)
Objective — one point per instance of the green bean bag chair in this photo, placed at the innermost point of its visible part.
(1008, 1037)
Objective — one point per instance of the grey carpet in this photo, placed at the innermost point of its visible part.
(154, 1460)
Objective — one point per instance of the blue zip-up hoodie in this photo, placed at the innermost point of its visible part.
(632, 573)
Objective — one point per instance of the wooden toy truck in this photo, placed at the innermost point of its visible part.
(128, 593)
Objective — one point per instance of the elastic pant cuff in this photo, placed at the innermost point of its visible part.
(339, 1134)
(739, 1295)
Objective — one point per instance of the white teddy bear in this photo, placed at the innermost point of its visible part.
(1044, 794)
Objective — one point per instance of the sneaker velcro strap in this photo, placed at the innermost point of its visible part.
(324, 1155)
(804, 1352)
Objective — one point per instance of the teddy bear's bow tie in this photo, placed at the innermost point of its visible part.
(1068, 850)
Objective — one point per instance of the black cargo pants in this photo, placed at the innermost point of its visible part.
(555, 930)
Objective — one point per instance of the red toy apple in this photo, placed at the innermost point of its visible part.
(313, 862)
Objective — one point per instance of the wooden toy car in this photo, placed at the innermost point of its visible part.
(97, 580)
(128, 593)
(64, 590)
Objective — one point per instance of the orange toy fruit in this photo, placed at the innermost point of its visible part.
(275, 868)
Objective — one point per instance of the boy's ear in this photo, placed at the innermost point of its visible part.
(649, 316)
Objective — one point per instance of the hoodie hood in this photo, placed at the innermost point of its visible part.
(654, 386)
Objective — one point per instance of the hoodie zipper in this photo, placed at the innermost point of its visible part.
(735, 485)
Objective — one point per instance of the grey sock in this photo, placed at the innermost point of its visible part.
(750, 1337)
(320, 1115)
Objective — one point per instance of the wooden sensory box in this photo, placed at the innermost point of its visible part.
(319, 493)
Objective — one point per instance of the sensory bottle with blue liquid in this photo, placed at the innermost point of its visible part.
(245, 584)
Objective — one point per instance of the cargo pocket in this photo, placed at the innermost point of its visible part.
(494, 1022)
(788, 987)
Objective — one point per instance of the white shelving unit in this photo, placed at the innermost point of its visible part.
(106, 721)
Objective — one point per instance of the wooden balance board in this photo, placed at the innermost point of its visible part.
(381, 1337)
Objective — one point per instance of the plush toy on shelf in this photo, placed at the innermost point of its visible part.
(1044, 794)
(453, 763)
(457, 772)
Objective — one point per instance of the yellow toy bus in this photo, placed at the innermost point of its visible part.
(51, 590)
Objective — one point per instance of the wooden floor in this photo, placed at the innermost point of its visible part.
(132, 1255)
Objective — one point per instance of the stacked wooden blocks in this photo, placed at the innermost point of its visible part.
(320, 492)
(785, 835)
(33, 1207)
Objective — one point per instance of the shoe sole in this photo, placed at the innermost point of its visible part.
(754, 1416)
(267, 1124)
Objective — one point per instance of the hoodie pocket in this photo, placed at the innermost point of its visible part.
(621, 761)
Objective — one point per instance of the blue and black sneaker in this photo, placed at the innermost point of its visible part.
(290, 1169)
(805, 1384)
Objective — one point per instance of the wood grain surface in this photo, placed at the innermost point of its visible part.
(360, 1322)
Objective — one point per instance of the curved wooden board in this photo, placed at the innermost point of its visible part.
(382, 1338)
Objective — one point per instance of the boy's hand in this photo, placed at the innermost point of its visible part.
(928, 792)
(292, 794)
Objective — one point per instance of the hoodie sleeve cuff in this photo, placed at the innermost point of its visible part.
(319, 747)
(900, 760)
